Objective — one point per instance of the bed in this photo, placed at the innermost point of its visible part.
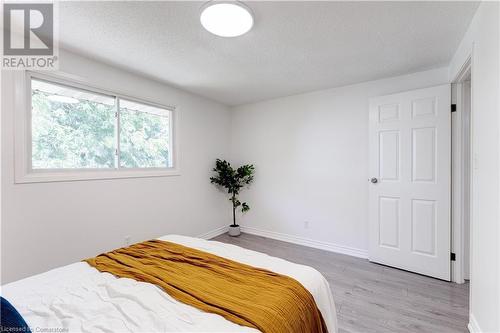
(79, 298)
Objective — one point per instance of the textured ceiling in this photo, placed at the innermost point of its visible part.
(294, 47)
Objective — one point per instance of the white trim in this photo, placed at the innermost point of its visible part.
(22, 136)
(359, 253)
(462, 173)
(213, 233)
(456, 187)
(83, 175)
(465, 70)
(117, 133)
(473, 326)
(331, 247)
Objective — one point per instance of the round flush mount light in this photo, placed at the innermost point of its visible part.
(226, 18)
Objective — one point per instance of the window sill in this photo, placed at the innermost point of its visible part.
(49, 176)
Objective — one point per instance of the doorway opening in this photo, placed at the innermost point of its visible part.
(461, 175)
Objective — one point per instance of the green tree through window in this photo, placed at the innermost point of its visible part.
(144, 138)
(76, 135)
(77, 129)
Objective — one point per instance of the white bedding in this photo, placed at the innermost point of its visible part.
(78, 298)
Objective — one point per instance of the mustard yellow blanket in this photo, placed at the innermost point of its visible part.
(245, 295)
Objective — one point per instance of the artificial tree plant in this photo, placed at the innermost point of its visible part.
(233, 181)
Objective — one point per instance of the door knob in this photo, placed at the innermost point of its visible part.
(374, 180)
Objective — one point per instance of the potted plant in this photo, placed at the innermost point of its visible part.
(233, 181)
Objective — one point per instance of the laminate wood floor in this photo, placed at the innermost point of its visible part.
(375, 298)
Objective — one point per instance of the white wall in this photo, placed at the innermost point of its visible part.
(46, 225)
(482, 41)
(311, 158)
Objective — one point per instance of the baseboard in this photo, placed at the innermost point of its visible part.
(473, 325)
(307, 242)
(213, 233)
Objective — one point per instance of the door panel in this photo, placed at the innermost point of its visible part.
(423, 154)
(389, 155)
(409, 204)
(423, 222)
(389, 222)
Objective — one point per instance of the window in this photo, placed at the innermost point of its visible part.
(76, 132)
(144, 136)
(71, 128)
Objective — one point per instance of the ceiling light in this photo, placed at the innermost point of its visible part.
(226, 18)
(63, 99)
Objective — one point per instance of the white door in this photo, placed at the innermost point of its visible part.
(409, 189)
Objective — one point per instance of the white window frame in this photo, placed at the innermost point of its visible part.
(24, 173)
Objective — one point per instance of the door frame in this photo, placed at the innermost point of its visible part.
(460, 175)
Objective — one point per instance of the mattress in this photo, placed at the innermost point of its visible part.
(78, 298)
